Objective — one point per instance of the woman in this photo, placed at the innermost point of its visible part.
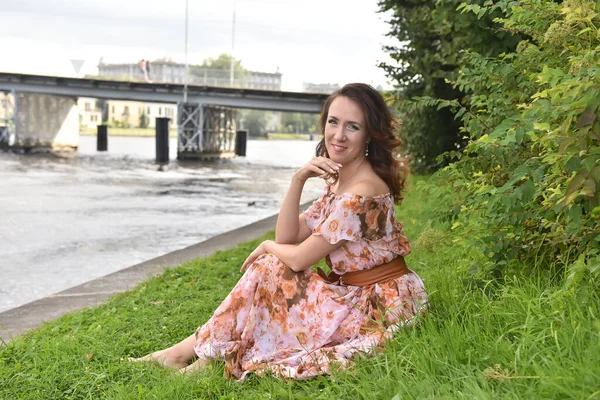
(282, 316)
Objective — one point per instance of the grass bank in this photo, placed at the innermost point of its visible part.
(521, 338)
(136, 132)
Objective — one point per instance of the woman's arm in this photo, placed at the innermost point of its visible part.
(305, 255)
(298, 258)
(291, 228)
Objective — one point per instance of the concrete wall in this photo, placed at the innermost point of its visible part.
(47, 121)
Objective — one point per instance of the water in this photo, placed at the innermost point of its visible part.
(65, 221)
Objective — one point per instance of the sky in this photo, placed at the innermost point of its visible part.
(316, 41)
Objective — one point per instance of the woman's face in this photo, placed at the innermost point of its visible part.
(345, 130)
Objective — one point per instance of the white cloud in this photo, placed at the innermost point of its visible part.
(313, 41)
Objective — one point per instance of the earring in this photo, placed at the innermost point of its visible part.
(367, 150)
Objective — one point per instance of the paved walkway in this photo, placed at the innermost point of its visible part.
(19, 320)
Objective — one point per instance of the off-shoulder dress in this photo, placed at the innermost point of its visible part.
(296, 325)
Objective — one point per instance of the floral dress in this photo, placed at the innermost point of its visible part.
(296, 325)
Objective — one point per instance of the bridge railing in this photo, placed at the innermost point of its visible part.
(175, 73)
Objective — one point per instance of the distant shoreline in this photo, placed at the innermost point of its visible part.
(129, 132)
(150, 132)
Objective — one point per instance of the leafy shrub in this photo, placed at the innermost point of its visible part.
(431, 35)
(431, 240)
(527, 182)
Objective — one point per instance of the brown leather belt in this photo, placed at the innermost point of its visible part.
(392, 270)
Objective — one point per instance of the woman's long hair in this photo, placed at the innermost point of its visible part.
(381, 127)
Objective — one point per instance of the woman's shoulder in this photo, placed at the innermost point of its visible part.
(368, 188)
(366, 209)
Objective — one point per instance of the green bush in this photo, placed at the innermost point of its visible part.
(526, 186)
(144, 120)
(431, 35)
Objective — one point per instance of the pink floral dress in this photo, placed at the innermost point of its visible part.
(296, 325)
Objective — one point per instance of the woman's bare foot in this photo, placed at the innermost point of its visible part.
(176, 356)
(164, 358)
(197, 365)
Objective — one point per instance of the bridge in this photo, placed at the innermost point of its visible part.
(45, 113)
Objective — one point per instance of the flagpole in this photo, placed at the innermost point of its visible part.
(185, 84)
(231, 75)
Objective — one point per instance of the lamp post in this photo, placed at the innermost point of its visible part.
(232, 46)
(185, 84)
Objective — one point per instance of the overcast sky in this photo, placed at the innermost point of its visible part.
(317, 41)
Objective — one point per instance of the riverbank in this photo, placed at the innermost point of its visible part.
(128, 132)
(520, 338)
(19, 320)
(291, 136)
(150, 132)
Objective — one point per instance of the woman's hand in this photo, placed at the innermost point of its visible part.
(318, 166)
(253, 256)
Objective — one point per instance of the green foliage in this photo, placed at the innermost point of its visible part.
(527, 183)
(431, 240)
(431, 36)
(223, 62)
(219, 68)
(299, 122)
(260, 122)
(144, 120)
(102, 105)
(255, 121)
(118, 124)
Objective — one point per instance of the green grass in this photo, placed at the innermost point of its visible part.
(139, 132)
(524, 338)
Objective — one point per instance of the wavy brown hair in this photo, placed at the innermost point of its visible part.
(381, 127)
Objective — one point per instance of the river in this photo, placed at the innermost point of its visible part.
(68, 220)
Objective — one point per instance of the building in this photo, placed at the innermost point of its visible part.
(172, 72)
(265, 80)
(320, 87)
(119, 71)
(7, 103)
(159, 71)
(248, 80)
(90, 114)
(6, 107)
(128, 114)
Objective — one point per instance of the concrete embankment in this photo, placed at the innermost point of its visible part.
(21, 319)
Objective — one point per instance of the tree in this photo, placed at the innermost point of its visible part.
(526, 189)
(144, 120)
(432, 35)
(253, 120)
(216, 71)
(102, 105)
(299, 122)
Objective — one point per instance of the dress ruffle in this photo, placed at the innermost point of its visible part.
(362, 222)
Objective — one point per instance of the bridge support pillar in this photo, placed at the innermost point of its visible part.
(7, 120)
(45, 122)
(102, 138)
(162, 140)
(241, 139)
(205, 131)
